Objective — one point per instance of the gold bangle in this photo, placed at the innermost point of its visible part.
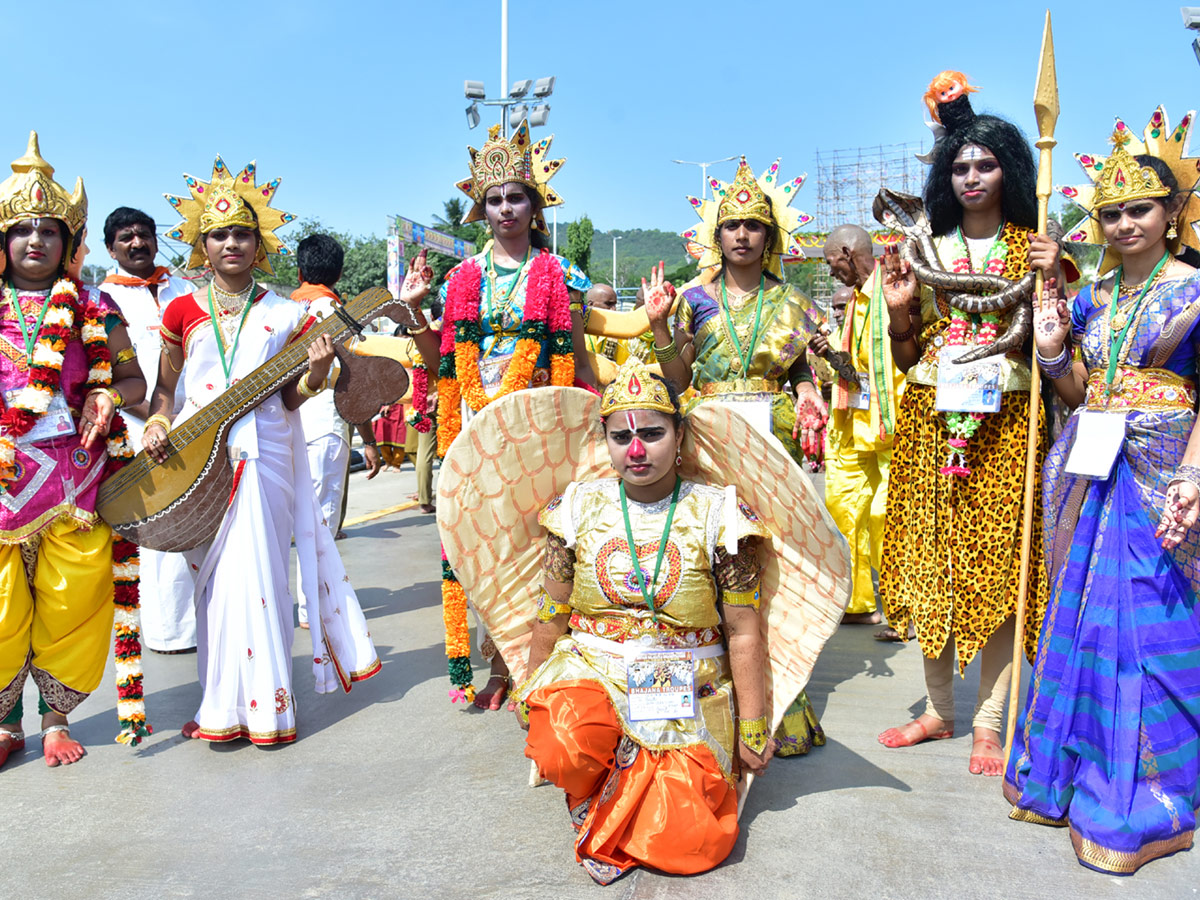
(305, 390)
(412, 333)
(753, 733)
(159, 419)
(126, 355)
(667, 353)
(111, 393)
(752, 597)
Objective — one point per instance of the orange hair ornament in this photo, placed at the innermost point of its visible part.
(946, 87)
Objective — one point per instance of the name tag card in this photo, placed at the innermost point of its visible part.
(861, 399)
(662, 685)
(1098, 440)
(55, 422)
(754, 408)
(972, 387)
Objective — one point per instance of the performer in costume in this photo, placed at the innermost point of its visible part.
(514, 319)
(863, 421)
(244, 608)
(658, 791)
(951, 558)
(142, 291)
(66, 369)
(748, 334)
(1109, 740)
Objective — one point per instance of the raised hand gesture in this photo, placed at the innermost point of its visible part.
(899, 282)
(659, 294)
(1051, 321)
(417, 281)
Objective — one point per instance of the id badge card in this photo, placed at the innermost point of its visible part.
(55, 422)
(662, 685)
(1099, 437)
(862, 399)
(971, 387)
(491, 372)
(754, 408)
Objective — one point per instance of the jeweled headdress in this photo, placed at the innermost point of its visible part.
(635, 388)
(506, 160)
(1119, 178)
(746, 198)
(223, 202)
(31, 192)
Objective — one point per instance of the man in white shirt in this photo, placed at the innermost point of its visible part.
(319, 262)
(142, 290)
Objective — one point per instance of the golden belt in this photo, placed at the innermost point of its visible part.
(741, 386)
(626, 628)
(1147, 390)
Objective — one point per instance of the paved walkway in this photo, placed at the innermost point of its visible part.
(392, 792)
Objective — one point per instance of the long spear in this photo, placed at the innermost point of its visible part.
(1045, 109)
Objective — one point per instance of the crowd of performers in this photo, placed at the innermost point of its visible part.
(650, 466)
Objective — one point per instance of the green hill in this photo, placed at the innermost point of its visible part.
(637, 250)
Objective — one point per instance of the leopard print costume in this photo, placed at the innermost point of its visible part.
(951, 547)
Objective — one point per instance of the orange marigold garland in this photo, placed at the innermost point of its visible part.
(546, 320)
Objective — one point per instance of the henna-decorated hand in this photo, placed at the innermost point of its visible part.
(659, 294)
(417, 281)
(1179, 515)
(96, 418)
(811, 416)
(1051, 321)
(899, 282)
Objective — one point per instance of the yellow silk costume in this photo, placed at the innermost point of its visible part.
(860, 451)
(608, 610)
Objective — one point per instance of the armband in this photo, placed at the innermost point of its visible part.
(548, 607)
(752, 597)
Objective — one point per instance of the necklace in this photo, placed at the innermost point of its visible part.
(745, 356)
(497, 313)
(219, 326)
(232, 304)
(1120, 323)
(639, 576)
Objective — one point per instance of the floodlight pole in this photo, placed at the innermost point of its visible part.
(504, 66)
(703, 170)
(616, 237)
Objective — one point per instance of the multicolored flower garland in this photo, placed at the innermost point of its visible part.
(45, 378)
(546, 317)
(420, 419)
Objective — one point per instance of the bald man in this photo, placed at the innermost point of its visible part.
(862, 422)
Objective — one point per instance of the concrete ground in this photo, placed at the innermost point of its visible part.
(392, 792)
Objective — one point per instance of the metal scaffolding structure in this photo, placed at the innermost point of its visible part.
(848, 180)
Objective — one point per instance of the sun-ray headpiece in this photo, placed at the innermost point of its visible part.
(1119, 178)
(765, 199)
(516, 159)
(224, 201)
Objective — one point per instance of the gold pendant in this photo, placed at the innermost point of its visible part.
(1118, 322)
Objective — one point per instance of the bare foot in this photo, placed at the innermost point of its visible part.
(987, 753)
(891, 634)
(304, 625)
(10, 742)
(428, 508)
(58, 747)
(870, 618)
(191, 730)
(923, 728)
(492, 696)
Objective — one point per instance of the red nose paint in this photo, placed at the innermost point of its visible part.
(637, 448)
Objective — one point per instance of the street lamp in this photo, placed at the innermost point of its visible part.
(616, 237)
(1191, 20)
(507, 102)
(703, 170)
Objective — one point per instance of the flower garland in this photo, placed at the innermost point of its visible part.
(962, 426)
(546, 318)
(420, 419)
(45, 379)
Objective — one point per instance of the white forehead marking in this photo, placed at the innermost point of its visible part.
(971, 151)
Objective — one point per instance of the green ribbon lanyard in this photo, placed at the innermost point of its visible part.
(1114, 350)
(882, 385)
(19, 314)
(662, 547)
(227, 363)
(749, 353)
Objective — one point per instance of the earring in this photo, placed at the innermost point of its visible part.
(678, 459)
(1171, 232)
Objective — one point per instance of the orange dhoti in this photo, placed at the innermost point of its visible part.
(59, 630)
(671, 810)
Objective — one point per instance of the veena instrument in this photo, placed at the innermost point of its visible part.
(179, 504)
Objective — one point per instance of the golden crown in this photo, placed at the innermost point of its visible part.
(1119, 178)
(635, 388)
(225, 201)
(728, 203)
(31, 192)
(507, 160)
(742, 198)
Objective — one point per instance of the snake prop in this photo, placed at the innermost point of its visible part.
(967, 290)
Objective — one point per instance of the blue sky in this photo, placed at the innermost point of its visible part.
(358, 106)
